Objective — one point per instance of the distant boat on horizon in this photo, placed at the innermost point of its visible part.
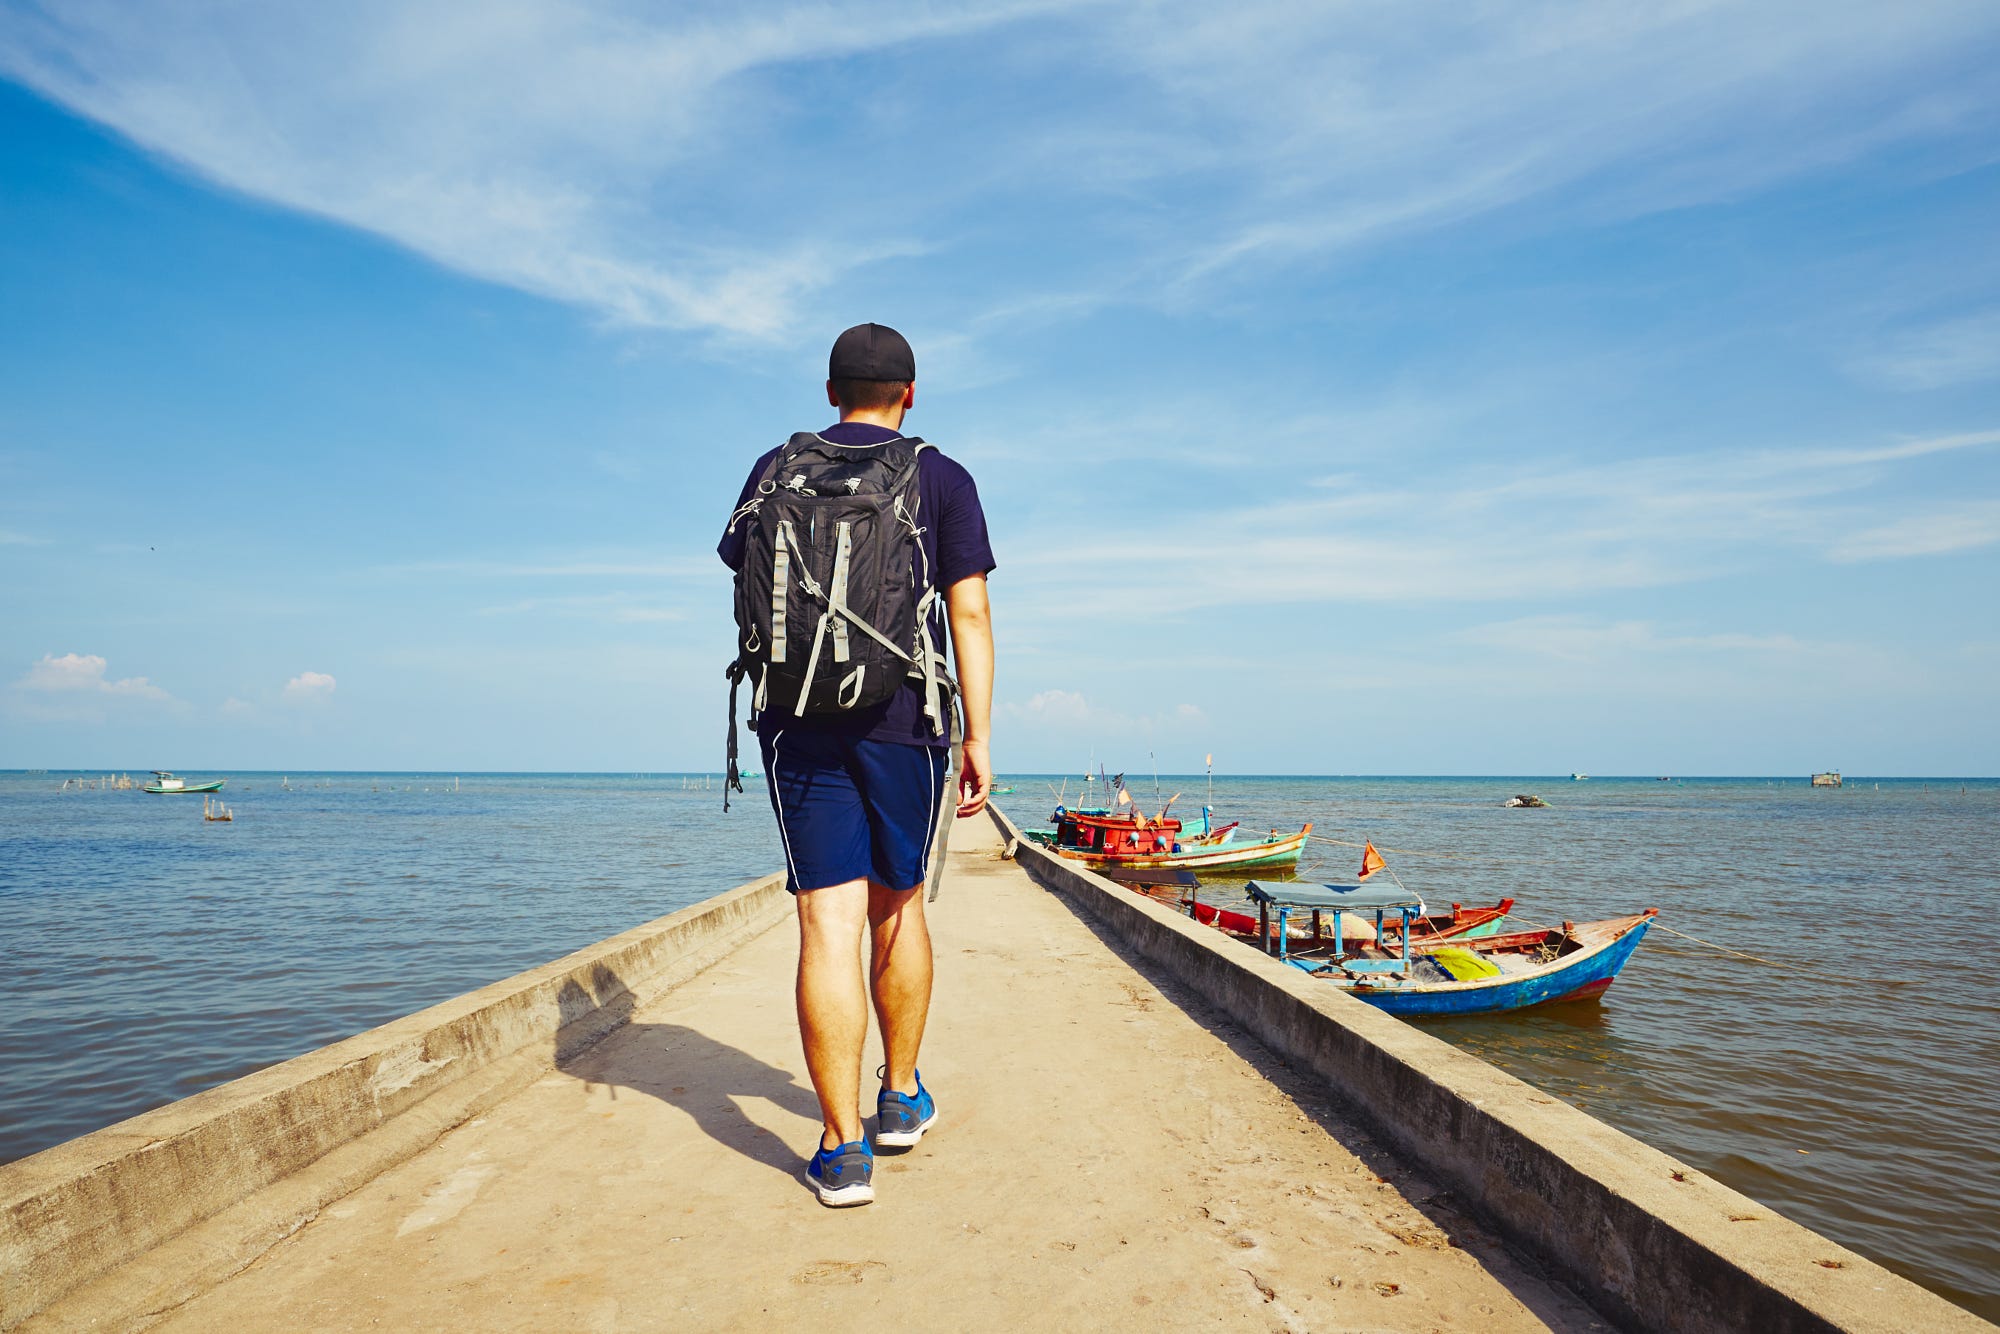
(1579, 778)
(165, 784)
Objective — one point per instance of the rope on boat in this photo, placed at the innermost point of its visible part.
(1662, 926)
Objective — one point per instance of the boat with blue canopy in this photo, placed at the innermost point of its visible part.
(1512, 971)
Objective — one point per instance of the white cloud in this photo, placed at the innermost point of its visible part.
(660, 166)
(1934, 532)
(1060, 720)
(618, 608)
(1501, 533)
(1581, 640)
(1058, 707)
(308, 687)
(577, 567)
(1950, 352)
(9, 538)
(550, 146)
(1361, 120)
(84, 673)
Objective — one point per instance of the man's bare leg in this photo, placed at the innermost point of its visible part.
(900, 971)
(833, 1010)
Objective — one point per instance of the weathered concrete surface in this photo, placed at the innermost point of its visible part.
(166, 1204)
(1651, 1241)
(1103, 1160)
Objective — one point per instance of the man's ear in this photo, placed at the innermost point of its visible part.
(832, 399)
(910, 396)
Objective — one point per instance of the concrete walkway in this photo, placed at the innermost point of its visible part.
(1105, 1158)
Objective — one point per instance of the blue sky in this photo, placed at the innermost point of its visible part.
(1352, 388)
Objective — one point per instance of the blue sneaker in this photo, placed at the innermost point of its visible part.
(902, 1118)
(843, 1175)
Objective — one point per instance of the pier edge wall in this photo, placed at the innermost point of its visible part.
(149, 1211)
(1652, 1242)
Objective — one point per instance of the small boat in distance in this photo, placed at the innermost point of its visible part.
(1831, 778)
(1526, 799)
(165, 784)
(1579, 778)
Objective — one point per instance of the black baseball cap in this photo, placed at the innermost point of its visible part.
(871, 352)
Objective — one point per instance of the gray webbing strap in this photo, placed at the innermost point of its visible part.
(781, 561)
(885, 641)
(788, 537)
(947, 811)
(812, 666)
(843, 549)
(932, 664)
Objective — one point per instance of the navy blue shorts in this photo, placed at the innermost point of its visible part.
(852, 809)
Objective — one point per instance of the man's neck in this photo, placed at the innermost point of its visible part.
(892, 418)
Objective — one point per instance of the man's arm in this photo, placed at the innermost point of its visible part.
(972, 650)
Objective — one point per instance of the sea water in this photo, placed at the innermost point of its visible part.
(1838, 1066)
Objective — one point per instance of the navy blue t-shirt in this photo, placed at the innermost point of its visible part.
(956, 545)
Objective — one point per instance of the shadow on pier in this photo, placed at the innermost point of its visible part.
(683, 1067)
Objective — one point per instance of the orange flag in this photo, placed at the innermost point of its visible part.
(1371, 862)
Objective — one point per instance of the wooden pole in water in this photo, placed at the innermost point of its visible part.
(1208, 811)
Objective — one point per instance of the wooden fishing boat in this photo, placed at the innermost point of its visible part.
(1136, 842)
(1512, 971)
(1178, 887)
(1461, 923)
(165, 784)
(1206, 834)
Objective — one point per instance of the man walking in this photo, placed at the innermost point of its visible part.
(853, 720)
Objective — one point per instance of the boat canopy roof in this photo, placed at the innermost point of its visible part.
(1339, 898)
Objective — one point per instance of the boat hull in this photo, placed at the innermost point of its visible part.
(1582, 976)
(1243, 856)
(1473, 924)
(213, 785)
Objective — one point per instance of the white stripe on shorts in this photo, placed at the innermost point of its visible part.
(791, 867)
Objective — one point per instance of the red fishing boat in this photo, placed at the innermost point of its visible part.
(1138, 842)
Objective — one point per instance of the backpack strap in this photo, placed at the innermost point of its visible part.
(732, 778)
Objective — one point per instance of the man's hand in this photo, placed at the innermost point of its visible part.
(975, 779)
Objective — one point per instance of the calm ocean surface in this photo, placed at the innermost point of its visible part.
(1846, 1077)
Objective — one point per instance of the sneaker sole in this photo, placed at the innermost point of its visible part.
(903, 1139)
(844, 1197)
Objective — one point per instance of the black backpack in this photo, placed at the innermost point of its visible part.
(835, 595)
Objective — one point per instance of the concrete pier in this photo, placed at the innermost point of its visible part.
(615, 1142)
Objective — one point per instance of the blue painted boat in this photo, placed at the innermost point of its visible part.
(1513, 971)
